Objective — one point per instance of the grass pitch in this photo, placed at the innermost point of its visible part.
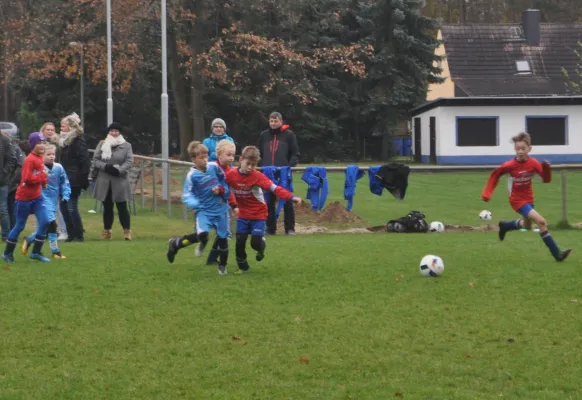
(343, 316)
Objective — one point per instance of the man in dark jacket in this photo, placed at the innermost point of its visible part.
(278, 146)
(7, 166)
(20, 157)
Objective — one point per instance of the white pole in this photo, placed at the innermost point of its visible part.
(109, 88)
(164, 110)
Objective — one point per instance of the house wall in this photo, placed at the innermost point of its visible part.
(511, 120)
(447, 88)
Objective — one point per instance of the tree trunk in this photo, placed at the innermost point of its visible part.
(180, 99)
(462, 12)
(357, 142)
(196, 39)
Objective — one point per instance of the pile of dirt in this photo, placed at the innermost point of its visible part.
(335, 212)
(311, 229)
(469, 228)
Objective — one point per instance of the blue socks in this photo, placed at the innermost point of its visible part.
(549, 241)
(510, 225)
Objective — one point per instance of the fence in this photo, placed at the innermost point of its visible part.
(149, 166)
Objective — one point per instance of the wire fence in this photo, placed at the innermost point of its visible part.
(147, 177)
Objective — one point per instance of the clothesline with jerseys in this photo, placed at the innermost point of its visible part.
(392, 177)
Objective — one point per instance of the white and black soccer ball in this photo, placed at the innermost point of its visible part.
(431, 265)
(436, 226)
(486, 215)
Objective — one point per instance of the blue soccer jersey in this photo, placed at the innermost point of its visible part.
(198, 194)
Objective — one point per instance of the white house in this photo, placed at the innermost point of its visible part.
(478, 130)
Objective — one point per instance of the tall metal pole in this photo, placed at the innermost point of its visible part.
(82, 86)
(109, 87)
(165, 147)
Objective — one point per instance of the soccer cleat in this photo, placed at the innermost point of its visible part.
(25, 246)
(222, 269)
(502, 231)
(199, 249)
(261, 253)
(59, 256)
(9, 258)
(563, 255)
(172, 250)
(39, 257)
(212, 257)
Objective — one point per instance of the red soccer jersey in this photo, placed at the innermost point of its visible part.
(32, 178)
(521, 174)
(231, 199)
(248, 190)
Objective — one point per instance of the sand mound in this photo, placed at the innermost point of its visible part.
(468, 228)
(335, 212)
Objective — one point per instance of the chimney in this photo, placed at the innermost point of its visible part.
(531, 26)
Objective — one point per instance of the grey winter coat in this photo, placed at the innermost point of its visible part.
(122, 156)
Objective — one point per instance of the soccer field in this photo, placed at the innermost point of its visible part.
(326, 316)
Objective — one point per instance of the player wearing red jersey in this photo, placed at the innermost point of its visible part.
(521, 170)
(248, 184)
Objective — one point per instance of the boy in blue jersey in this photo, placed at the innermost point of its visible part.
(57, 187)
(206, 191)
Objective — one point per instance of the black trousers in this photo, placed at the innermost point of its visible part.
(122, 211)
(289, 215)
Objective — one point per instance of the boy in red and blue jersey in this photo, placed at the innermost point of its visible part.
(521, 170)
(248, 184)
(29, 200)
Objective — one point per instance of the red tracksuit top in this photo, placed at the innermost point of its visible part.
(32, 178)
(248, 191)
(521, 174)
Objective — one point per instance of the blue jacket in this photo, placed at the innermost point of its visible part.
(57, 186)
(317, 186)
(353, 173)
(211, 143)
(376, 185)
(198, 193)
(284, 179)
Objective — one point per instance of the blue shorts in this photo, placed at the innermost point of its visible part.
(525, 209)
(251, 226)
(205, 223)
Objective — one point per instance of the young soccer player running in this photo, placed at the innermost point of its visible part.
(225, 152)
(248, 185)
(29, 200)
(205, 191)
(521, 169)
(57, 187)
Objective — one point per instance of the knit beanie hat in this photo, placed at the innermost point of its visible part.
(116, 126)
(34, 138)
(218, 121)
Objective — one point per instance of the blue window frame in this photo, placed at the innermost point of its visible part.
(547, 130)
(477, 131)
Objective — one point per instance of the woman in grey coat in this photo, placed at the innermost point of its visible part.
(112, 162)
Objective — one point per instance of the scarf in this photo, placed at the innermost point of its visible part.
(67, 138)
(108, 144)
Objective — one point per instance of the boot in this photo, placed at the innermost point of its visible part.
(127, 234)
(106, 235)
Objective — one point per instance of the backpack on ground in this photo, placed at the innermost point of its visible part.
(414, 222)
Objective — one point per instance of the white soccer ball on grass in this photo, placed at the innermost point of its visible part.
(431, 265)
(486, 215)
(436, 226)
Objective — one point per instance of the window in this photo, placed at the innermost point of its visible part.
(477, 131)
(547, 130)
(523, 67)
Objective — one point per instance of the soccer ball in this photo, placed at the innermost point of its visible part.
(431, 265)
(436, 226)
(486, 215)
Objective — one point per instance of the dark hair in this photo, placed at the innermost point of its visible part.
(251, 153)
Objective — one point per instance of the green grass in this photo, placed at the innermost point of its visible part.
(322, 317)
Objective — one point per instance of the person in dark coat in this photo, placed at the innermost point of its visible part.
(278, 147)
(7, 167)
(74, 158)
(20, 156)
